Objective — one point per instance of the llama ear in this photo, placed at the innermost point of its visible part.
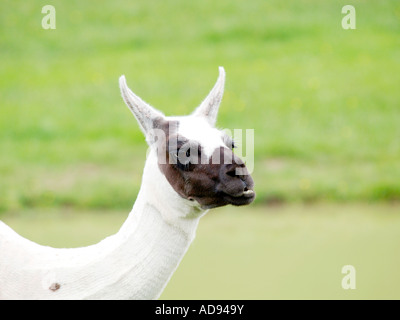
(145, 114)
(209, 107)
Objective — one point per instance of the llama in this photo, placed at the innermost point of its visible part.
(176, 191)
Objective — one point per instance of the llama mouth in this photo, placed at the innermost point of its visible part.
(246, 197)
(248, 193)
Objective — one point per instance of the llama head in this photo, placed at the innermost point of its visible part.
(196, 158)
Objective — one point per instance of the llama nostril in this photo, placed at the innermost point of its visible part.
(230, 170)
(245, 189)
(232, 173)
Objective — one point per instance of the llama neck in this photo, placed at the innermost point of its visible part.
(153, 240)
(135, 263)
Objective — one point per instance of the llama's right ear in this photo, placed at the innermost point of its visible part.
(209, 107)
(145, 114)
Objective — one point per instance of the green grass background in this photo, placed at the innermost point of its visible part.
(323, 101)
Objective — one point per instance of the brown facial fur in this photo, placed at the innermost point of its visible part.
(210, 184)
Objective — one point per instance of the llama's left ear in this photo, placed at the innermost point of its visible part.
(209, 107)
(146, 115)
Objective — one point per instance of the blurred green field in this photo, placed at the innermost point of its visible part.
(323, 101)
(289, 252)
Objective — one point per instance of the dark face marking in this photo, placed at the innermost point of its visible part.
(211, 182)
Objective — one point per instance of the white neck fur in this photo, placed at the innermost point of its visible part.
(135, 263)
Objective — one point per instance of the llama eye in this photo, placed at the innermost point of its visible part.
(183, 159)
(228, 141)
(183, 166)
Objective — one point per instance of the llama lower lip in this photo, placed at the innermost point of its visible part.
(245, 198)
(248, 193)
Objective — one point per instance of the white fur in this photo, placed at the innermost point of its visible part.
(138, 261)
(199, 130)
(135, 263)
